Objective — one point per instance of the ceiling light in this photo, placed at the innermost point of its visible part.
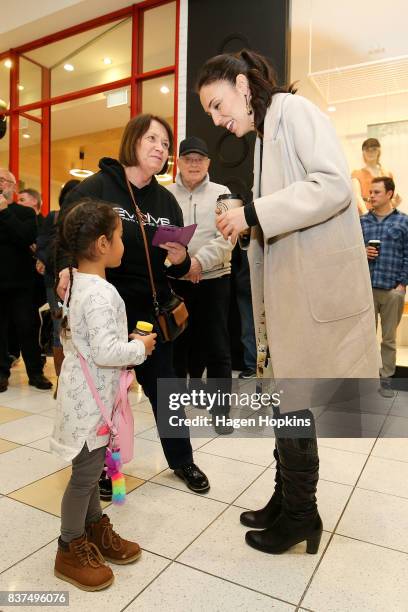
(26, 135)
(8, 63)
(68, 67)
(20, 87)
(331, 109)
(80, 173)
(107, 61)
(164, 89)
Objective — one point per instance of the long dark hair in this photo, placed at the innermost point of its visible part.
(259, 72)
(83, 224)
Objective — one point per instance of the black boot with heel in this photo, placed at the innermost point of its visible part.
(261, 519)
(299, 519)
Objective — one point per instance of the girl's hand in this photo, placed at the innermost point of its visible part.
(232, 223)
(63, 283)
(149, 341)
(176, 252)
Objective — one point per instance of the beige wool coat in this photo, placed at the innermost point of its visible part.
(309, 270)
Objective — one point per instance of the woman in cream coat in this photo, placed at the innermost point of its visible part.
(311, 289)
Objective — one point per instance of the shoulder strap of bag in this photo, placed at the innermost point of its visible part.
(146, 246)
(95, 393)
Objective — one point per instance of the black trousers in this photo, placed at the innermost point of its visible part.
(178, 450)
(17, 307)
(205, 343)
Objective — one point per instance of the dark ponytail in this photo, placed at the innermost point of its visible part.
(259, 72)
(80, 228)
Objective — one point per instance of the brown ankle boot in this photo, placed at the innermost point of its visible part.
(114, 548)
(82, 564)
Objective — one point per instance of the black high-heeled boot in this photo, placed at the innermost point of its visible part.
(260, 519)
(299, 520)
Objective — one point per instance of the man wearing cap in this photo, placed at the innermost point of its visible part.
(206, 288)
(385, 232)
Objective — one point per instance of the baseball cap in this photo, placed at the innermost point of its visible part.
(193, 145)
(370, 142)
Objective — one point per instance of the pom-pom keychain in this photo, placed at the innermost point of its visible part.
(113, 464)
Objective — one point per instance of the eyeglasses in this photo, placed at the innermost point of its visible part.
(4, 180)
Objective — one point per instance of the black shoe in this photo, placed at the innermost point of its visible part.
(287, 532)
(264, 518)
(248, 373)
(40, 382)
(194, 478)
(105, 488)
(3, 384)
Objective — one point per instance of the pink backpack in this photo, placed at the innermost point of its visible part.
(121, 426)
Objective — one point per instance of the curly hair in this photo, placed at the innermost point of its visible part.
(83, 224)
(259, 72)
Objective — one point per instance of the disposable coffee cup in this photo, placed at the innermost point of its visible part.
(229, 201)
(376, 244)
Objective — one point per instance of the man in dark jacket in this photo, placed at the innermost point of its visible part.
(18, 230)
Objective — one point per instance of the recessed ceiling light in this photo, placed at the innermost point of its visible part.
(8, 63)
(164, 89)
(68, 67)
(107, 61)
(26, 135)
(20, 87)
(331, 109)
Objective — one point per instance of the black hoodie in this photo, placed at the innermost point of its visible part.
(161, 208)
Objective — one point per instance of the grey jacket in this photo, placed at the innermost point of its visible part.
(207, 244)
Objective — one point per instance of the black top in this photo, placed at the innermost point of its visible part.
(160, 207)
(18, 230)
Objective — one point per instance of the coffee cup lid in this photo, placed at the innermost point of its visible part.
(230, 196)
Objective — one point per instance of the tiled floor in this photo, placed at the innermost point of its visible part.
(195, 557)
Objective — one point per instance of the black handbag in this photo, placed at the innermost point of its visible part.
(172, 317)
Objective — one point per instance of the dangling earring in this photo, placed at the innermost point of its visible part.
(248, 106)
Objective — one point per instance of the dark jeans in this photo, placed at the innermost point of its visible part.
(205, 343)
(17, 306)
(240, 275)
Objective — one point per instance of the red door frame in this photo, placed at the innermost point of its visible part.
(136, 12)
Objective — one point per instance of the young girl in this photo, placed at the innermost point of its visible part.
(94, 326)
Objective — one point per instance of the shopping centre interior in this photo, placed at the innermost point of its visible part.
(84, 68)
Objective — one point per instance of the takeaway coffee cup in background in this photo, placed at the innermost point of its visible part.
(228, 201)
(376, 244)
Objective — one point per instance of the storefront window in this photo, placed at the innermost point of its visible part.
(98, 56)
(159, 33)
(30, 154)
(89, 126)
(75, 94)
(29, 86)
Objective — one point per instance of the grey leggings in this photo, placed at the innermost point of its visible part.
(81, 504)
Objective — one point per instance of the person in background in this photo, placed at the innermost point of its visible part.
(32, 199)
(146, 143)
(18, 231)
(361, 179)
(46, 266)
(206, 287)
(388, 269)
(306, 259)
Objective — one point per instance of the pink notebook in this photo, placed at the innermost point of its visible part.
(173, 233)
